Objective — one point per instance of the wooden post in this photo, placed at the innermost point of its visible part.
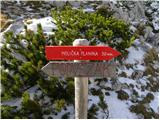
(81, 88)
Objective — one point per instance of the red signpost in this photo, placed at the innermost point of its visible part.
(80, 53)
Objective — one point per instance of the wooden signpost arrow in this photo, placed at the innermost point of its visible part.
(80, 69)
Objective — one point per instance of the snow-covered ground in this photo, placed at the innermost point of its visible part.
(47, 24)
(135, 55)
(118, 108)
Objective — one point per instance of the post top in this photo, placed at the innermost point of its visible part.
(80, 42)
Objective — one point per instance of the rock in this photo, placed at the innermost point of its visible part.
(116, 86)
(128, 11)
(124, 86)
(135, 23)
(59, 3)
(107, 93)
(108, 88)
(155, 25)
(148, 33)
(132, 28)
(154, 5)
(138, 10)
(137, 74)
(134, 99)
(96, 92)
(46, 23)
(24, 43)
(75, 3)
(17, 27)
(50, 117)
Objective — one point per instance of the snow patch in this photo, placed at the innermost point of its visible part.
(14, 102)
(88, 10)
(92, 100)
(32, 91)
(128, 71)
(154, 103)
(140, 67)
(47, 24)
(126, 80)
(135, 55)
(117, 108)
(70, 110)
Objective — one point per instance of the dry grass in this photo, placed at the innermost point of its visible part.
(4, 22)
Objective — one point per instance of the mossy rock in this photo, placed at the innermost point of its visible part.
(122, 95)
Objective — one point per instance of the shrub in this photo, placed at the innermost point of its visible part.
(151, 56)
(149, 71)
(122, 95)
(22, 62)
(148, 98)
(30, 107)
(70, 90)
(141, 109)
(74, 23)
(8, 112)
(21, 73)
(47, 111)
(96, 92)
(92, 112)
(103, 105)
(59, 104)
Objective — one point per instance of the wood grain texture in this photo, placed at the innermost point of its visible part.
(80, 69)
(81, 88)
